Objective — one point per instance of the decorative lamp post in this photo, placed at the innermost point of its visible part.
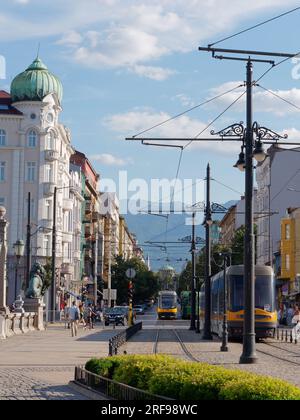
(19, 248)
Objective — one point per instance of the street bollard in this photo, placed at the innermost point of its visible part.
(281, 335)
(286, 336)
(291, 336)
(277, 334)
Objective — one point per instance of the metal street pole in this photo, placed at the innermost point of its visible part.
(96, 268)
(207, 322)
(16, 277)
(28, 243)
(249, 356)
(193, 288)
(198, 307)
(53, 262)
(224, 346)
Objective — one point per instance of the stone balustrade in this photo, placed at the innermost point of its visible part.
(17, 324)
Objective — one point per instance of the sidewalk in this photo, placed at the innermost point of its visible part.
(38, 365)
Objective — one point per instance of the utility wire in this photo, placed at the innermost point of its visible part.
(285, 185)
(188, 110)
(215, 119)
(276, 65)
(279, 97)
(226, 186)
(255, 26)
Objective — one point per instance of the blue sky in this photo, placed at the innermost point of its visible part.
(128, 64)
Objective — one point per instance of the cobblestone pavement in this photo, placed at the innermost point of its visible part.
(275, 358)
(39, 365)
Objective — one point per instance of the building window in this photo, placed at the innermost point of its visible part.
(47, 247)
(287, 262)
(50, 139)
(31, 171)
(2, 138)
(287, 231)
(48, 173)
(32, 139)
(2, 201)
(48, 210)
(2, 171)
(32, 207)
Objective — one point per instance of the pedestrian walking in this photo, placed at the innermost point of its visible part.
(296, 317)
(81, 317)
(290, 315)
(90, 316)
(74, 316)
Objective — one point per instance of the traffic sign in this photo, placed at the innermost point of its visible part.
(131, 273)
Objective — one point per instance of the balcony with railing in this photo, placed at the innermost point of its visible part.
(51, 155)
(88, 207)
(49, 188)
(68, 204)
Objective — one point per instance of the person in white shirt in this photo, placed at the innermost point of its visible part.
(74, 316)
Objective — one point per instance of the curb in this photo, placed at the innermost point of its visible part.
(88, 392)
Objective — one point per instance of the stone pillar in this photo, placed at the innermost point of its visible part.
(37, 306)
(3, 261)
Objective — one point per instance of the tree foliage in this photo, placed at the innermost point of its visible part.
(145, 284)
(237, 248)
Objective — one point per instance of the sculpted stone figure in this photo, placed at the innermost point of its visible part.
(37, 278)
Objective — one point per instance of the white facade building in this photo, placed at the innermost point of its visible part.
(35, 150)
(279, 172)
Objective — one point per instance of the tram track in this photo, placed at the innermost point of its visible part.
(183, 347)
(278, 357)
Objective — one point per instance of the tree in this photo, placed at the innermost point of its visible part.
(145, 283)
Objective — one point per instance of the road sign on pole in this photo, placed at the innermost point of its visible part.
(131, 273)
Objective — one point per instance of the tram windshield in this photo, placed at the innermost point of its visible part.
(168, 302)
(264, 293)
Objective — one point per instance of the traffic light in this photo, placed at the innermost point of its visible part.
(130, 290)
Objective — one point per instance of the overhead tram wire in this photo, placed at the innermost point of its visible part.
(215, 119)
(188, 110)
(227, 186)
(279, 97)
(255, 26)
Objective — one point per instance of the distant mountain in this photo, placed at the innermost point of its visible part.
(160, 229)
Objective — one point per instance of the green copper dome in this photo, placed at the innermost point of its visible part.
(35, 83)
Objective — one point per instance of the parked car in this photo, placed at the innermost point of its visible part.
(139, 309)
(116, 315)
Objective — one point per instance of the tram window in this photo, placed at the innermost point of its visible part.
(168, 302)
(264, 293)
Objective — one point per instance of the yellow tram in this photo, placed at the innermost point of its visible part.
(265, 307)
(167, 304)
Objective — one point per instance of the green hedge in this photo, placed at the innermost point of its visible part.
(181, 380)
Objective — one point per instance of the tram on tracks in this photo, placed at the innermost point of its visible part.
(265, 305)
(167, 305)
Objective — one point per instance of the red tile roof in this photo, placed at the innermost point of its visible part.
(5, 105)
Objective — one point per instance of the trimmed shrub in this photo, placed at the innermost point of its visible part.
(259, 388)
(182, 380)
(103, 367)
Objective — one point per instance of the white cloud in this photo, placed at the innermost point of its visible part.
(263, 101)
(110, 160)
(154, 73)
(132, 33)
(134, 122)
(71, 38)
(185, 100)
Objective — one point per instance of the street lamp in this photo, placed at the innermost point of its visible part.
(240, 164)
(19, 248)
(258, 153)
(226, 259)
